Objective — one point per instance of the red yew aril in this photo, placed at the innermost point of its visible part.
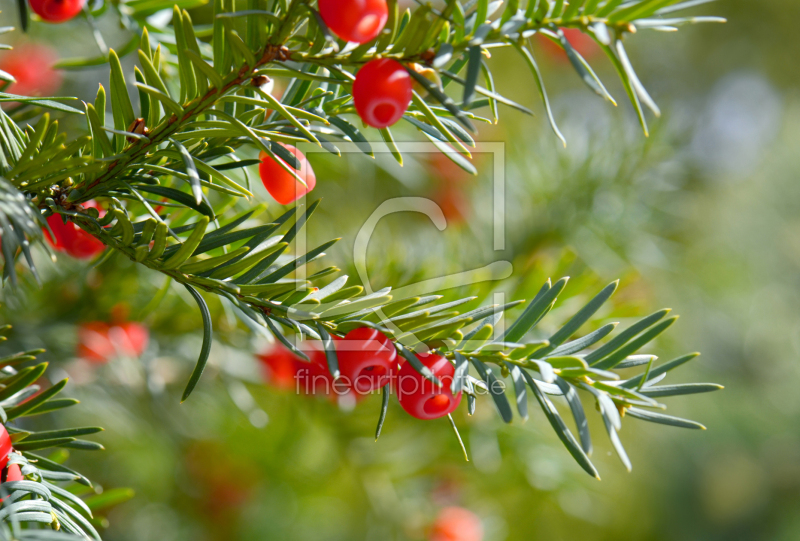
(72, 239)
(57, 11)
(5, 446)
(280, 183)
(12, 473)
(456, 524)
(99, 342)
(31, 64)
(382, 92)
(284, 370)
(420, 397)
(366, 358)
(279, 367)
(354, 20)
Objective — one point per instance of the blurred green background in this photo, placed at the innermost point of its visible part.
(702, 217)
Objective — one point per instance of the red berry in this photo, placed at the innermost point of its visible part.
(12, 473)
(57, 11)
(354, 20)
(420, 397)
(5, 446)
(457, 524)
(72, 239)
(382, 92)
(98, 342)
(313, 377)
(279, 367)
(280, 183)
(31, 65)
(366, 358)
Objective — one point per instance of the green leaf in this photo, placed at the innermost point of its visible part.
(206, 347)
(188, 246)
(496, 389)
(625, 336)
(664, 368)
(330, 355)
(575, 323)
(680, 389)
(661, 418)
(446, 101)
(612, 360)
(537, 75)
(36, 401)
(473, 70)
(560, 428)
(109, 498)
(63, 433)
(120, 101)
(178, 196)
(385, 393)
(191, 170)
(519, 389)
(22, 379)
(575, 406)
(165, 100)
(582, 343)
(537, 308)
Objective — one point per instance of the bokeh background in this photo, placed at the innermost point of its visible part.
(701, 216)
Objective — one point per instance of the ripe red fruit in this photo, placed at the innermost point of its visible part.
(284, 370)
(382, 92)
(366, 359)
(354, 20)
(12, 473)
(31, 64)
(5, 446)
(279, 367)
(98, 342)
(57, 11)
(419, 396)
(456, 524)
(72, 239)
(280, 183)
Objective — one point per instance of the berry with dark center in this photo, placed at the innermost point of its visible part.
(420, 397)
(382, 92)
(282, 185)
(366, 359)
(57, 11)
(354, 20)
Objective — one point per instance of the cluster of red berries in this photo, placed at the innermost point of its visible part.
(12, 472)
(68, 237)
(368, 361)
(382, 89)
(99, 342)
(57, 11)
